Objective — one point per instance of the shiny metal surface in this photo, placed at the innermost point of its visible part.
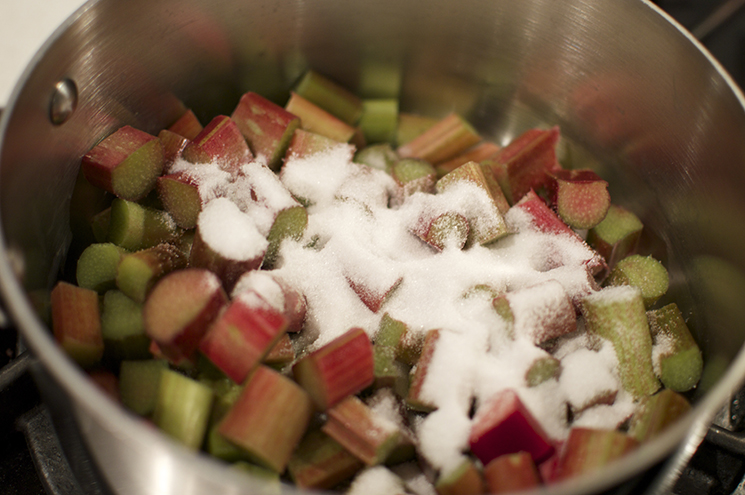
(637, 99)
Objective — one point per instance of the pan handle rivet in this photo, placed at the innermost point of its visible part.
(63, 102)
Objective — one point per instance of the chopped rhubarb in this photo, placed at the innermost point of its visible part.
(411, 176)
(242, 335)
(126, 163)
(379, 120)
(269, 418)
(290, 223)
(656, 413)
(277, 292)
(305, 143)
(377, 156)
(511, 473)
(448, 138)
(617, 235)
(173, 146)
(416, 399)
(182, 408)
(282, 354)
(315, 119)
(135, 227)
(220, 141)
(76, 323)
(449, 229)
(139, 382)
(465, 479)
(644, 272)
(97, 264)
(676, 356)
(503, 425)
(138, 272)
(580, 197)
(329, 95)
(321, 463)
(389, 372)
(187, 125)
(179, 193)
(587, 450)
(542, 369)
(179, 310)
(123, 328)
(411, 126)
(340, 368)
(267, 127)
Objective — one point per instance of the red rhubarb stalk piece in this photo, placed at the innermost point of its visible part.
(465, 479)
(282, 354)
(126, 163)
(511, 473)
(320, 462)
(173, 146)
(187, 125)
(580, 197)
(180, 196)
(76, 322)
(503, 425)
(242, 336)
(179, 310)
(269, 418)
(222, 142)
(267, 127)
(587, 450)
(415, 398)
(340, 368)
(449, 229)
(278, 292)
(305, 143)
(446, 139)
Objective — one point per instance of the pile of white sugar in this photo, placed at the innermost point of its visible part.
(353, 235)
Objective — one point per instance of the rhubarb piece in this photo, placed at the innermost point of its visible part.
(580, 197)
(226, 394)
(617, 314)
(305, 143)
(379, 120)
(227, 242)
(269, 418)
(179, 193)
(282, 354)
(290, 223)
(482, 151)
(415, 398)
(377, 156)
(449, 229)
(96, 268)
(448, 138)
(314, 119)
(370, 276)
(587, 450)
(126, 163)
(187, 125)
(389, 331)
(367, 435)
(465, 479)
(676, 356)
(138, 272)
(76, 323)
(494, 189)
(242, 336)
(411, 126)
(173, 146)
(389, 372)
(511, 473)
(488, 224)
(503, 425)
(410, 346)
(616, 236)
(321, 463)
(643, 272)
(330, 96)
(539, 313)
(267, 127)
(277, 292)
(542, 369)
(525, 163)
(179, 310)
(139, 382)
(122, 328)
(656, 413)
(136, 227)
(340, 368)
(221, 142)
(411, 176)
(182, 408)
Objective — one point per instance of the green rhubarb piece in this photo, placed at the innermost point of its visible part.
(618, 314)
(502, 307)
(419, 173)
(330, 96)
(123, 328)
(226, 394)
(100, 223)
(377, 156)
(411, 126)
(379, 120)
(448, 138)
(495, 189)
(97, 266)
(321, 463)
(136, 227)
(587, 450)
(390, 331)
(139, 382)
(643, 272)
(290, 223)
(315, 119)
(617, 235)
(415, 399)
(465, 479)
(138, 272)
(656, 413)
(542, 369)
(180, 196)
(678, 360)
(447, 230)
(388, 371)
(182, 408)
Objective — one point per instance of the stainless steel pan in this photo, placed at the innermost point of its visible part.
(636, 97)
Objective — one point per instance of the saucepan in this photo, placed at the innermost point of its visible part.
(635, 96)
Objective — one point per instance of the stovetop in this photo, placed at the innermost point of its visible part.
(717, 468)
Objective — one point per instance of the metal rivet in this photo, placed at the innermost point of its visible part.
(64, 101)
